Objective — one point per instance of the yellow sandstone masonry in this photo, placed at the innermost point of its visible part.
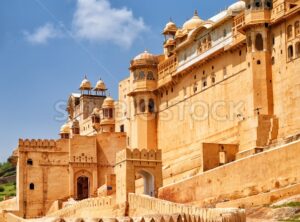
(213, 121)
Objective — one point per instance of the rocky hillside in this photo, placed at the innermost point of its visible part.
(7, 180)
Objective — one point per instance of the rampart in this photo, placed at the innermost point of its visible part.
(142, 205)
(137, 154)
(265, 172)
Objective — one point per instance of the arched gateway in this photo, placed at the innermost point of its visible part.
(83, 185)
(143, 162)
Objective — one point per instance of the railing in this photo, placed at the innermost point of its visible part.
(239, 22)
(167, 67)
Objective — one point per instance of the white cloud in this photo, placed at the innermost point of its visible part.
(97, 21)
(42, 34)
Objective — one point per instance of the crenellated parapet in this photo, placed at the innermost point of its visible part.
(43, 144)
(140, 155)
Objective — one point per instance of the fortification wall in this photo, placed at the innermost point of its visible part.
(140, 205)
(286, 81)
(40, 163)
(93, 207)
(261, 173)
(206, 115)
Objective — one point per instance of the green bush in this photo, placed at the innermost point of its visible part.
(2, 189)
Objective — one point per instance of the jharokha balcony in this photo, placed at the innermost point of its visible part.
(255, 16)
(166, 69)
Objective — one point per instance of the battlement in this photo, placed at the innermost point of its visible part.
(136, 154)
(37, 143)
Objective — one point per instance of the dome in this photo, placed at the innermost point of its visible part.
(193, 23)
(85, 84)
(108, 102)
(100, 86)
(145, 55)
(144, 59)
(65, 129)
(237, 7)
(170, 27)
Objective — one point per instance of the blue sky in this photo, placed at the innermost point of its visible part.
(47, 46)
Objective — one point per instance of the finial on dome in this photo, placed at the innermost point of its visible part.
(85, 84)
(196, 12)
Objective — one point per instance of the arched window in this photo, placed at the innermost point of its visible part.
(249, 41)
(213, 79)
(298, 49)
(297, 28)
(135, 76)
(257, 3)
(29, 162)
(268, 4)
(110, 113)
(199, 47)
(224, 33)
(195, 87)
(289, 31)
(259, 42)
(31, 186)
(142, 75)
(204, 43)
(150, 76)
(142, 106)
(209, 41)
(290, 52)
(204, 82)
(151, 106)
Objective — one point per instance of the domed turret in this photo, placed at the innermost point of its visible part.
(193, 23)
(108, 103)
(100, 87)
(75, 127)
(65, 131)
(146, 56)
(85, 85)
(170, 29)
(107, 122)
(143, 60)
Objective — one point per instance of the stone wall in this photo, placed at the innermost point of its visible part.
(10, 204)
(261, 173)
(93, 207)
(140, 205)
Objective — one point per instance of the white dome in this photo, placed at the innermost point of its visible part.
(193, 23)
(237, 7)
(145, 55)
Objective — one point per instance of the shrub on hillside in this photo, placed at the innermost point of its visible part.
(2, 189)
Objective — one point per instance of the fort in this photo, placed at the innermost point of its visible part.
(199, 133)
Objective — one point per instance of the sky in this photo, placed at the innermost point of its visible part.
(47, 46)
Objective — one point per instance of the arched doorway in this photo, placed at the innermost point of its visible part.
(148, 182)
(82, 188)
